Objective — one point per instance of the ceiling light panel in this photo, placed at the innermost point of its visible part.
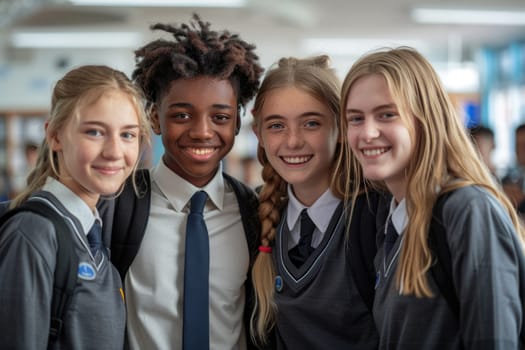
(75, 39)
(161, 3)
(468, 16)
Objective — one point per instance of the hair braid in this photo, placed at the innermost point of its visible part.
(271, 199)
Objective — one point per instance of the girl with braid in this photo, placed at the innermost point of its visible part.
(196, 85)
(305, 289)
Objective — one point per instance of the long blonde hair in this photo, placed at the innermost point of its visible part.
(82, 85)
(444, 157)
(315, 77)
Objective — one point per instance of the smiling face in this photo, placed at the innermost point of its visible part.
(197, 119)
(98, 149)
(299, 136)
(377, 135)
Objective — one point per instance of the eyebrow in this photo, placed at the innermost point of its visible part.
(375, 109)
(302, 115)
(189, 105)
(102, 124)
(131, 126)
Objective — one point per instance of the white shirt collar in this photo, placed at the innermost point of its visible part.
(73, 203)
(320, 212)
(399, 215)
(179, 191)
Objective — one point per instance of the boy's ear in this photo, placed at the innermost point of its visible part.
(154, 118)
(238, 125)
(238, 120)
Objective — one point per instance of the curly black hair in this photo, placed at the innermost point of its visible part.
(197, 51)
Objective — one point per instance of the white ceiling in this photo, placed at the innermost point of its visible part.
(278, 27)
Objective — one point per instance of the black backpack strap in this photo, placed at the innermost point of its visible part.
(131, 214)
(441, 268)
(362, 245)
(66, 262)
(248, 205)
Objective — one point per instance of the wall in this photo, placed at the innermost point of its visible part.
(27, 76)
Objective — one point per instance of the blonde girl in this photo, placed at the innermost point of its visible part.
(406, 137)
(95, 135)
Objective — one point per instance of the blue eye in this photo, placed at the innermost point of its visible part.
(312, 123)
(388, 115)
(275, 126)
(128, 135)
(354, 119)
(94, 132)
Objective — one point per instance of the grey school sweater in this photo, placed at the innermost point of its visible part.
(488, 271)
(95, 318)
(319, 306)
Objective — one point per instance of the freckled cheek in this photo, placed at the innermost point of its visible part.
(271, 147)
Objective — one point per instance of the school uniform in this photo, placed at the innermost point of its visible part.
(488, 272)
(318, 303)
(4, 206)
(95, 317)
(154, 282)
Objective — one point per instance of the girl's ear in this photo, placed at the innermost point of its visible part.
(258, 134)
(52, 139)
(155, 123)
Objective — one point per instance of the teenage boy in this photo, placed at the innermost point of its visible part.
(196, 85)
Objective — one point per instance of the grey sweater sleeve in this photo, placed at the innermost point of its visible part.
(487, 261)
(27, 262)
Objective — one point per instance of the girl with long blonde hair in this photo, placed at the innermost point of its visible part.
(95, 135)
(406, 138)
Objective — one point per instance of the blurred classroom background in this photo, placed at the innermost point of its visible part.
(477, 46)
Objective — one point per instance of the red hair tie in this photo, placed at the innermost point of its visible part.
(265, 249)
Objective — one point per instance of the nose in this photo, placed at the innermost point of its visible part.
(370, 130)
(201, 128)
(295, 138)
(113, 148)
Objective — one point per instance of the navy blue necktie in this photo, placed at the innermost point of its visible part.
(94, 237)
(196, 323)
(303, 249)
(390, 237)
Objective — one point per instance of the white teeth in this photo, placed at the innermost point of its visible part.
(296, 160)
(201, 151)
(374, 152)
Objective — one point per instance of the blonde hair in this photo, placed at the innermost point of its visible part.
(315, 77)
(80, 86)
(444, 157)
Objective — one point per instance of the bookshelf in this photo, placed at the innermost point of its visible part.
(18, 129)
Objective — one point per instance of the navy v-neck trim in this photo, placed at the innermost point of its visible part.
(295, 277)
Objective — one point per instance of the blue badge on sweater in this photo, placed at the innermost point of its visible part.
(86, 271)
(278, 284)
